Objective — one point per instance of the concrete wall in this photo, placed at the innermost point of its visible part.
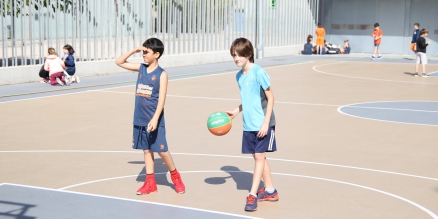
(24, 74)
(354, 20)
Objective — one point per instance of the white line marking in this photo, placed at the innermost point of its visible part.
(229, 156)
(281, 174)
(34, 98)
(125, 199)
(355, 77)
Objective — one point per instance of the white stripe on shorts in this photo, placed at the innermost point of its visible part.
(271, 140)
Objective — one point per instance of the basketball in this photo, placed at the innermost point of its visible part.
(219, 123)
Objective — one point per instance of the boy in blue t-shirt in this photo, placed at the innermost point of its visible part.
(258, 120)
(149, 129)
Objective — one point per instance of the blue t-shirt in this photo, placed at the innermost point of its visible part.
(146, 96)
(307, 49)
(415, 36)
(254, 101)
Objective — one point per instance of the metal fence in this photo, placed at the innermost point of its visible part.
(103, 29)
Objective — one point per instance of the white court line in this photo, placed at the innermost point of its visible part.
(230, 156)
(283, 102)
(281, 174)
(130, 200)
(381, 120)
(34, 98)
(355, 77)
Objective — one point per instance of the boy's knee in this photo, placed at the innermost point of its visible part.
(259, 156)
(163, 154)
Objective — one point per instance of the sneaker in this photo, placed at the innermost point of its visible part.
(67, 80)
(373, 57)
(424, 75)
(78, 80)
(178, 183)
(251, 203)
(379, 57)
(148, 187)
(59, 82)
(263, 195)
(416, 74)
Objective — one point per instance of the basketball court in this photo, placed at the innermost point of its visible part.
(356, 138)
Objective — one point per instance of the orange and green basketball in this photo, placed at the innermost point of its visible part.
(219, 123)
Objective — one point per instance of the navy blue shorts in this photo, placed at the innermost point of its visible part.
(252, 144)
(154, 141)
(376, 45)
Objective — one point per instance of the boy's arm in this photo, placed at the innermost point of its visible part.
(264, 128)
(121, 61)
(234, 113)
(152, 126)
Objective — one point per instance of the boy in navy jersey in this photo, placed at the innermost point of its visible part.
(258, 120)
(149, 129)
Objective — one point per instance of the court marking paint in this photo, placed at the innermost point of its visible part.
(281, 174)
(363, 78)
(125, 199)
(230, 156)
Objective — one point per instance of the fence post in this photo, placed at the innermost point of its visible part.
(259, 29)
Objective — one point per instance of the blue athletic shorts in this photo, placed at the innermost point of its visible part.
(252, 144)
(376, 45)
(154, 141)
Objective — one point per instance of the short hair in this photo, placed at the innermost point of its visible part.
(346, 41)
(319, 25)
(417, 24)
(424, 31)
(155, 45)
(242, 47)
(52, 51)
(69, 48)
(376, 25)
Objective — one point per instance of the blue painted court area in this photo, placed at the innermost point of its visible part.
(23, 202)
(411, 112)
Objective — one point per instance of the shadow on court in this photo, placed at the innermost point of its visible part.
(160, 172)
(409, 73)
(14, 210)
(242, 179)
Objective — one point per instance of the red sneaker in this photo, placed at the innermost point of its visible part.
(177, 181)
(150, 185)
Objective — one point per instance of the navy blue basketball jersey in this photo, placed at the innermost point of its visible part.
(146, 96)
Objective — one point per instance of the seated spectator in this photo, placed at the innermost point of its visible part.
(308, 47)
(346, 48)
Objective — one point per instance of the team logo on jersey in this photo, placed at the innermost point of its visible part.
(162, 146)
(154, 77)
(144, 90)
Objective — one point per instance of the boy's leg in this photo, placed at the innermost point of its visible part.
(150, 185)
(267, 180)
(174, 174)
(424, 68)
(258, 172)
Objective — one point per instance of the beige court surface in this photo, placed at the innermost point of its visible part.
(328, 165)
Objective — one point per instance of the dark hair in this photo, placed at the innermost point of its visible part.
(243, 47)
(376, 25)
(70, 49)
(319, 25)
(424, 31)
(309, 38)
(417, 24)
(155, 45)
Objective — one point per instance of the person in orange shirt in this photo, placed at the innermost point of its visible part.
(377, 36)
(320, 33)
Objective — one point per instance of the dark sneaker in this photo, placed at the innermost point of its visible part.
(263, 195)
(379, 57)
(251, 203)
(148, 187)
(178, 183)
(373, 57)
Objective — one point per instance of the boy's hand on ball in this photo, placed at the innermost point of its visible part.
(232, 114)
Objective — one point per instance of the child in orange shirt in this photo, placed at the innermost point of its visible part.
(377, 35)
(320, 33)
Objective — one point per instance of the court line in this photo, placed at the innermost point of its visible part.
(125, 199)
(281, 174)
(381, 120)
(283, 102)
(355, 77)
(34, 98)
(231, 156)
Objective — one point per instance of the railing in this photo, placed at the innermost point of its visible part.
(104, 29)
